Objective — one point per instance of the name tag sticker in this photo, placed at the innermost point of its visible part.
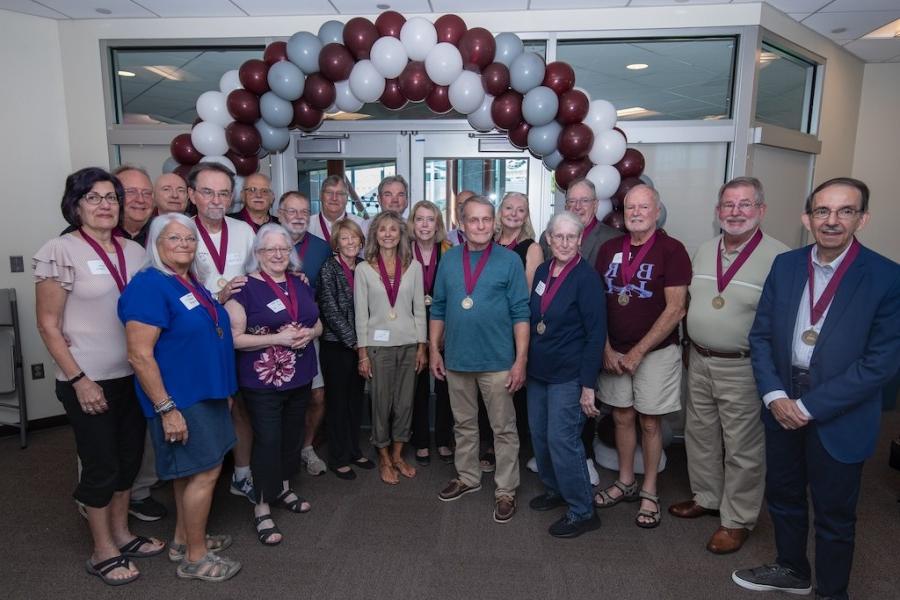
(539, 288)
(617, 257)
(97, 267)
(235, 259)
(382, 335)
(276, 305)
(189, 301)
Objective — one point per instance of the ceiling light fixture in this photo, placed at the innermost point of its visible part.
(891, 30)
(839, 30)
(125, 73)
(637, 66)
(167, 72)
(103, 11)
(382, 6)
(635, 111)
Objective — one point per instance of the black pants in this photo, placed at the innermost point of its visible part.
(110, 444)
(443, 416)
(278, 418)
(344, 402)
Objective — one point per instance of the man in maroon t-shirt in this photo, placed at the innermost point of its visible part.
(646, 275)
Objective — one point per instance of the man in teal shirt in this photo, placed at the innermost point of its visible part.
(479, 316)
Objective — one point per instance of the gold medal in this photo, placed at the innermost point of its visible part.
(427, 300)
(220, 332)
(541, 327)
(467, 303)
(809, 337)
(222, 283)
(718, 302)
(392, 315)
(624, 299)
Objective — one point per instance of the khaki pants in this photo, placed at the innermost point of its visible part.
(501, 413)
(392, 389)
(723, 413)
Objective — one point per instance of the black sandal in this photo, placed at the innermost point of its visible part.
(295, 506)
(133, 548)
(264, 534)
(103, 568)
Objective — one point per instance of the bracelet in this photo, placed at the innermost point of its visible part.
(77, 378)
(167, 405)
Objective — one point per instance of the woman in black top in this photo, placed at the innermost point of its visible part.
(515, 232)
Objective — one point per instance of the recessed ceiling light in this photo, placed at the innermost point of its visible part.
(839, 30)
(103, 11)
(125, 73)
(682, 1)
(891, 30)
(382, 6)
(167, 72)
(637, 66)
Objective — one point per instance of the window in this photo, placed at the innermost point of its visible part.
(784, 89)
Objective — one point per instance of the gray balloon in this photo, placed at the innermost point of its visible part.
(526, 72)
(509, 46)
(303, 50)
(331, 32)
(540, 105)
(647, 181)
(275, 111)
(552, 160)
(169, 165)
(286, 80)
(274, 139)
(542, 140)
(663, 213)
(261, 153)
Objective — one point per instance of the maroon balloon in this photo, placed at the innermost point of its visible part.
(631, 165)
(438, 99)
(393, 97)
(559, 77)
(359, 35)
(622, 132)
(495, 78)
(306, 117)
(243, 139)
(318, 91)
(624, 187)
(183, 170)
(275, 52)
(573, 107)
(243, 106)
(253, 75)
(182, 149)
(243, 165)
(389, 23)
(336, 62)
(414, 81)
(616, 220)
(506, 111)
(518, 136)
(477, 47)
(450, 28)
(575, 141)
(569, 170)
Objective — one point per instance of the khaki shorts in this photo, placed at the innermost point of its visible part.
(655, 389)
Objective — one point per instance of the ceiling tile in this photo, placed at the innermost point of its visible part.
(857, 24)
(791, 6)
(861, 5)
(671, 2)
(79, 9)
(570, 4)
(369, 7)
(194, 8)
(875, 50)
(30, 8)
(278, 8)
(798, 16)
(460, 6)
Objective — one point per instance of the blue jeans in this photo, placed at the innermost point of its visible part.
(555, 419)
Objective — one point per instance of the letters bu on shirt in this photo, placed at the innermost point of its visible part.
(638, 284)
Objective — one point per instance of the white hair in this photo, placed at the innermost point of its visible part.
(157, 225)
(565, 217)
(252, 263)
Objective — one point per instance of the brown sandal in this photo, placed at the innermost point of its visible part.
(404, 468)
(603, 499)
(652, 515)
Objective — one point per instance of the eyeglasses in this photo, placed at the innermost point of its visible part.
(333, 194)
(569, 238)
(293, 212)
(275, 250)
(208, 194)
(578, 201)
(93, 198)
(175, 240)
(255, 191)
(845, 213)
(168, 189)
(134, 193)
(743, 206)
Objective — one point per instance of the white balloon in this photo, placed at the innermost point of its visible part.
(389, 57)
(212, 106)
(443, 63)
(604, 207)
(481, 119)
(608, 149)
(209, 139)
(601, 116)
(366, 82)
(222, 160)
(466, 92)
(230, 81)
(418, 36)
(606, 180)
(345, 100)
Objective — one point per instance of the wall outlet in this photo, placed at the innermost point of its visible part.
(37, 371)
(16, 264)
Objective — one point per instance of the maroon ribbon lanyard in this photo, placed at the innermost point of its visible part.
(512, 245)
(428, 270)
(218, 254)
(245, 216)
(391, 289)
(629, 267)
(324, 225)
(818, 309)
(194, 288)
(722, 280)
(553, 284)
(120, 275)
(589, 228)
(348, 272)
(303, 246)
(289, 299)
(471, 279)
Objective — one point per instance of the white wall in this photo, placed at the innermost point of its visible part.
(876, 158)
(34, 161)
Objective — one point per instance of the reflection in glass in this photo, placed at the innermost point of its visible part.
(364, 176)
(784, 89)
(444, 178)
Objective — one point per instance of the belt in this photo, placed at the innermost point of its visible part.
(713, 354)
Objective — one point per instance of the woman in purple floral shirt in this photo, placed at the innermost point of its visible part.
(274, 320)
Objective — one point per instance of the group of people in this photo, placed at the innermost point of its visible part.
(240, 333)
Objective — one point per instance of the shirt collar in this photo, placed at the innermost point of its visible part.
(833, 264)
(739, 248)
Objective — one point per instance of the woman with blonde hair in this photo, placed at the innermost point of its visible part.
(515, 232)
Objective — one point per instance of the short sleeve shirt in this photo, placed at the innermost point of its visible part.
(666, 265)
(240, 244)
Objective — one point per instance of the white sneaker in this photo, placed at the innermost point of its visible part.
(531, 465)
(314, 464)
(592, 473)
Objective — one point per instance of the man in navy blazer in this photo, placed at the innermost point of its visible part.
(819, 367)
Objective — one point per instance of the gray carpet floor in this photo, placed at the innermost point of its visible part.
(366, 540)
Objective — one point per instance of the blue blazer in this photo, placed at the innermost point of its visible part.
(857, 353)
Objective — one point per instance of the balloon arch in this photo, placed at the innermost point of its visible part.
(492, 80)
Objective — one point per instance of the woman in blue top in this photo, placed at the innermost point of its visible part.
(179, 343)
(568, 333)
(274, 320)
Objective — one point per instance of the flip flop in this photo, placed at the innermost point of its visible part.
(132, 548)
(103, 568)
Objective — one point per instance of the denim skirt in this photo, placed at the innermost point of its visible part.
(210, 437)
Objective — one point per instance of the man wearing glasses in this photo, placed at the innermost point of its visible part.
(722, 406)
(257, 198)
(825, 341)
(333, 199)
(581, 199)
(137, 206)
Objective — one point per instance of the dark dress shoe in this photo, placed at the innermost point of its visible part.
(727, 540)
(690, 510)
(347, 475)
(423, 461)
